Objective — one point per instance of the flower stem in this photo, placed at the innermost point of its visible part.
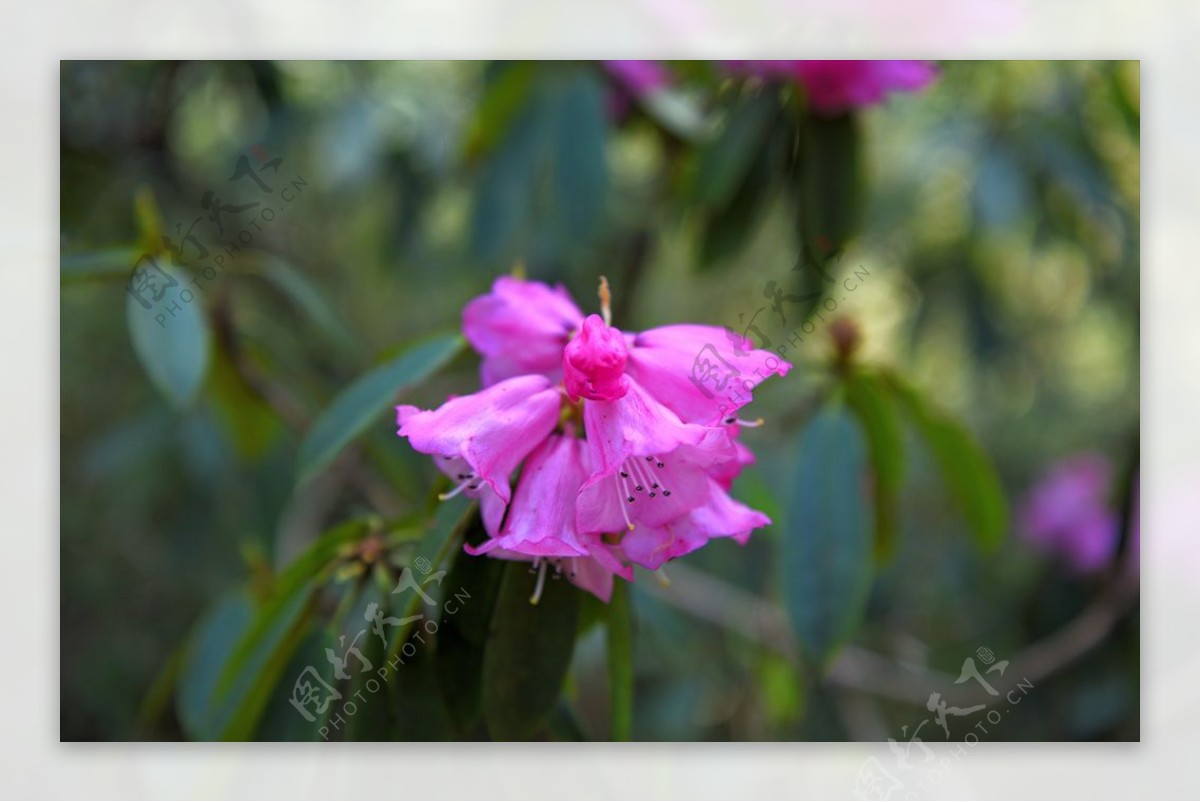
(620, 661)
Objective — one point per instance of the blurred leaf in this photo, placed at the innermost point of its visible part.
(724, 160)
(216, 705)
(114, 262)
(251, 423)
(966, 468)
(148, 219)
(171, 339)
(579, 167)
(309, 300)
(677, 112)
(830, 181)
(504, 191)
(463, 629)
(870, 399)
(365, 401)
(502, 99)
(620, 661)
(528, 652)
(730, 227)
(827, 550)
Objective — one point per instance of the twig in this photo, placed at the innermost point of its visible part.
(761, 621)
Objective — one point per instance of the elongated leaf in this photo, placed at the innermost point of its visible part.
(170, 335)
(730, 227)
(471, 588)
(579, 166)
(620, 662)
(830, 182)
(211, 708)
(827, 546)
(504, 192)
(368, 398)
(965, 467)
(870, 398)
(677, 112)
(528, 652)
(108, 263)
(309, 300)
(502, 100)
(724, 161)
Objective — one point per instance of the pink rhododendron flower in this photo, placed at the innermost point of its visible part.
(1067, 514)
(628, 453)
(837, 86)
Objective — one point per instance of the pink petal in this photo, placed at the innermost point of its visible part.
(697, 372)
(492, 430)
(520, 327)
(719, 516)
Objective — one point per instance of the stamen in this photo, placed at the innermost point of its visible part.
(622, 490)
(466, 484)
(661, 573)
(541, 581)
(749, 424)
(605, 302)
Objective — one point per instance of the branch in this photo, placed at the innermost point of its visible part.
(763, 622)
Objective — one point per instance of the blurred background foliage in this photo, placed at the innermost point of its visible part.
(992, 221)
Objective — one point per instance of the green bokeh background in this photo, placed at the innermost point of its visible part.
(999, 237)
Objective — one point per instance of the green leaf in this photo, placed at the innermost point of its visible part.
(170, 337)
(729, 228)
(108, 263)
(830, 182)
(503, 98)
(471, 588)
(528, 652)
(620, 661)
(309, 300)
(215, 705)
(251, 423)
(871, 400)
(365, 401)
(504, 191)
(579, 167)
(827, 545)
(965, 467)
(724, 160)
(677, 112)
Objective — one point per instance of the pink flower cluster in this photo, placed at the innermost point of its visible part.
(1068, 515)
(624, 457)
(834, 87)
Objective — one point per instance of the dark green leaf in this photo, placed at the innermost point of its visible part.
(730, 227)
(528, 652)
(620, 661)
(309, 300)
(368, 398)
(470, 595)
(830, 182)
(827, 545)
(871, 400)
(965, 467)
(115, 262)
(579, 167)
(503, 98)
(504, 194)
(215, 704)
(171, 338)
(724, 161)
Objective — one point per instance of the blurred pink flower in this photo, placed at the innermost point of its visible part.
(1067, 514)
(639, 77)
(837, 86)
